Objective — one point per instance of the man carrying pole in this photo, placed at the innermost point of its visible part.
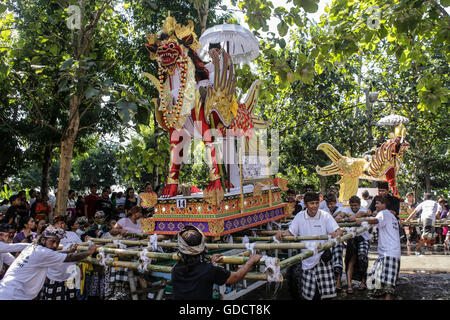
(382, 277)
(428, 210)
(26, 275)
(193, 276)
(317, 271)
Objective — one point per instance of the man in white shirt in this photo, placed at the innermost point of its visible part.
(55, 287)
(382, 277)
(26, 275)
(427, 210)
(317, 271)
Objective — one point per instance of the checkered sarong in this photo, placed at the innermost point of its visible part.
(119, 287)
(56, 290)
(384, 272)
(363, 247)
(336, 258)
(121, 274)
(322, 276)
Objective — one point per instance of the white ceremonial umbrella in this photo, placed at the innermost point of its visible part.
(239, 42)
(392, 120)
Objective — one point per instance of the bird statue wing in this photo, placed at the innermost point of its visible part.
(349, 187)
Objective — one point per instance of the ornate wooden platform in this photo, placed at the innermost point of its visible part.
(173, 214)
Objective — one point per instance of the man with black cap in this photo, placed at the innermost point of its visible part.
(26, 275)
(317, 271)
(193, 276)
(393, 202)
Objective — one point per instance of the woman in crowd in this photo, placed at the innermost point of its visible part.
(131, 200)
(147, 200)
(43, 209)
(129, 224)
(26, 235)
(40, 226)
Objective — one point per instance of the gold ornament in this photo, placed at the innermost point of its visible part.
(149, 199)
(214, 196)
(216, 227)
(257, 190)
(148, 225)
(282, 184)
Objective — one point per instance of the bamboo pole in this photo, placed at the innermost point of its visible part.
(437, 223)
(162, 269)
(263, 246)
(167, 256)
(143, 235)
(285, 238)
(321, 247)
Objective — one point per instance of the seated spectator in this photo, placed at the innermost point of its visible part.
(39, 226)
(26, 235)
(129, 224)
(81, 225)
(108, 235)
(99, 227)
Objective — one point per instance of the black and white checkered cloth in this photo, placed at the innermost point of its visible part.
(56, 290)
(384, 271)
(322, 276)
(118, 275)
(363, 247)
(336, 258)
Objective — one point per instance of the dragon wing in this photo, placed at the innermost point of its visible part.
(220, 96)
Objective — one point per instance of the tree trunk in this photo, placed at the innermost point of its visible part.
(46, 163)
(67, 144)
(426, 171)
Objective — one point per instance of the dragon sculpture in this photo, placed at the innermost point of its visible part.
(192, 100)
(382, 165)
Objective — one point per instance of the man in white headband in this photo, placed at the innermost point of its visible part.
(26, 275)
(193, 276)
